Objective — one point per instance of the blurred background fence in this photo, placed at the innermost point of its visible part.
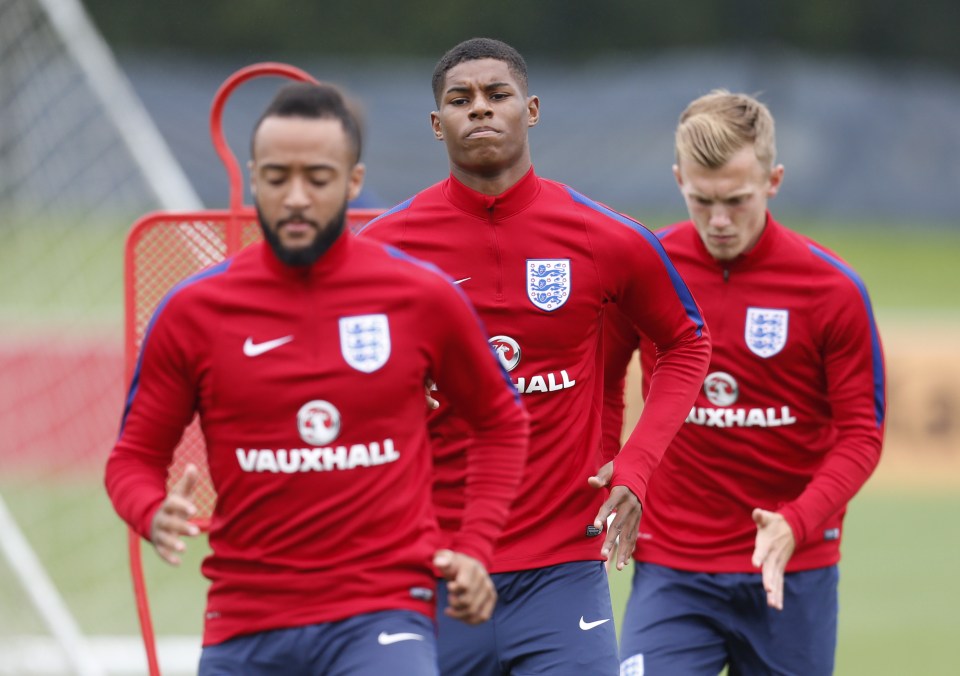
(104, 116)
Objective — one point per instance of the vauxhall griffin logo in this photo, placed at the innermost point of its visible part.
(723, 391)
(507, 350)
(721, 388)
(318, 422)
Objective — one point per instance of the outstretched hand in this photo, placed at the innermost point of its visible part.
(470, 592)
(172, 520)
(626, 523)
(774, 547)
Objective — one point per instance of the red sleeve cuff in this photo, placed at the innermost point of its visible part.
(795, 522)
(473, 546)
(631, 480)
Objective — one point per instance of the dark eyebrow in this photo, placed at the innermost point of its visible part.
(492, 85)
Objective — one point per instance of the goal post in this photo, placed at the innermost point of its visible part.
(164, 176)
(42, 592)
(79, 156)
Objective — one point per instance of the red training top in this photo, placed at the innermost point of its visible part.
(309, 383)
(541, 262)
(790, 418)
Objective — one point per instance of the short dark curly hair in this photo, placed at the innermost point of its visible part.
(473, 50)
(314, 101)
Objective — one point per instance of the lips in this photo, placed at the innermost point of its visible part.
(297, 224)
(296, 230)
(482, 132)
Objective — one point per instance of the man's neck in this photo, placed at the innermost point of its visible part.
(494, 183)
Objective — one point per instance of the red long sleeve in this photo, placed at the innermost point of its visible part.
(790, 417)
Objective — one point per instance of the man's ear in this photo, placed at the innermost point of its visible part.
(678, 176)
(357, 174)
(533, 110)
(436, 126)
(776, 180)
(253, 180)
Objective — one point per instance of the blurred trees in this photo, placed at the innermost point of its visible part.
(559, 29)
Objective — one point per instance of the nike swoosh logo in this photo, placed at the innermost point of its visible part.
(386, 639)
(587, 626)
(461, 281)
(252, 349)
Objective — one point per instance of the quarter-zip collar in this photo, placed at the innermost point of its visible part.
(510, 202)
(753, 257)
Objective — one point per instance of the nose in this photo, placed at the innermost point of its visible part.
(480, 107)
(719, 218)
(296, 198)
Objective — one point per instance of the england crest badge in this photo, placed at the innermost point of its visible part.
(548, 282)
(365, 341)
(766, 330)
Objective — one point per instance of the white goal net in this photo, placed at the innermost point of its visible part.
(80, 160)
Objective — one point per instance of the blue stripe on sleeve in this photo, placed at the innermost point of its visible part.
(135, 381)
(426, 265)
(683, 293)
(389, 212)
(666, 231)
(878, 379)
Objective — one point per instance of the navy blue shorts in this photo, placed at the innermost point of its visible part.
(395, 642)
(553, 620)
(695, 623)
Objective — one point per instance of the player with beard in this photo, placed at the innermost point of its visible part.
(305, 357)
(306, 254)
